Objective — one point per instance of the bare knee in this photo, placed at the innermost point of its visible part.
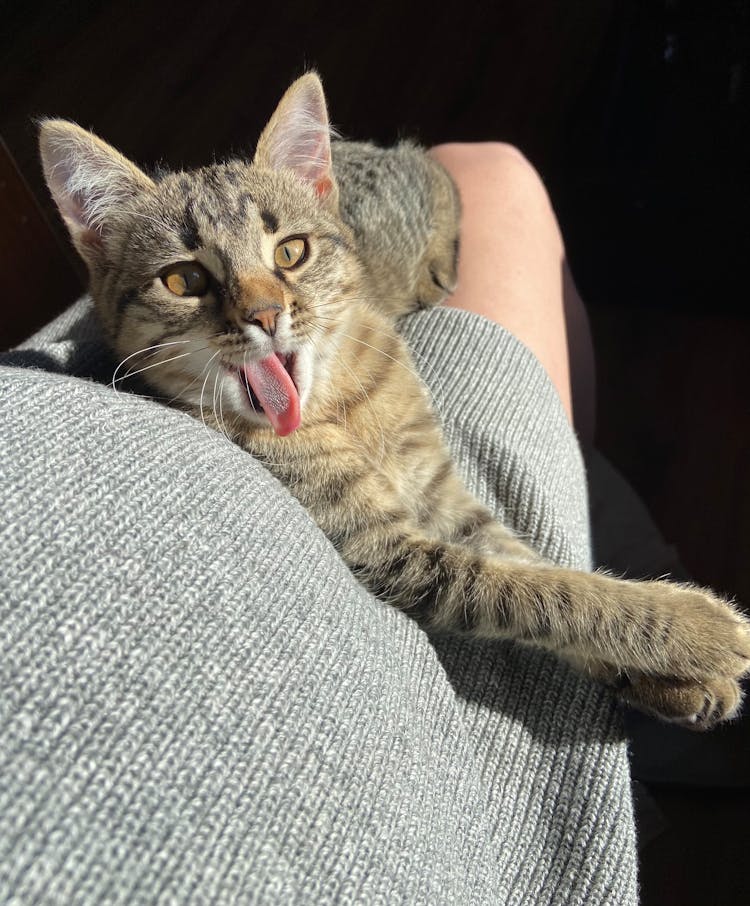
(511, 265)
(502, 171)
(497, 162)
(481, 154)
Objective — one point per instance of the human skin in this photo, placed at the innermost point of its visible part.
(512, 268)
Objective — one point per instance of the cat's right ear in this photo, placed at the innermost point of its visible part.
(298, 138)
(90, 181)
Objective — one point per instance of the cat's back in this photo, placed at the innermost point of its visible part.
(404, 210)
(376, 183)
(400, 188)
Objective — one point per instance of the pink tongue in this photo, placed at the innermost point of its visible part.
(274, 388)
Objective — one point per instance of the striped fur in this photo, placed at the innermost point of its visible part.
(368, 459)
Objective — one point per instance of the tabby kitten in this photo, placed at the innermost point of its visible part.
(261, 297)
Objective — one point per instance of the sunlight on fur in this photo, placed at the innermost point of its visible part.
(303, 367)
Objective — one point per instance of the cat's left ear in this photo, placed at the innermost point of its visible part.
(298, 137)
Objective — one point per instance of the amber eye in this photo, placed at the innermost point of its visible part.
(186, 279)
(290, 252)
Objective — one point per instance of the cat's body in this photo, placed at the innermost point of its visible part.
(262, 298)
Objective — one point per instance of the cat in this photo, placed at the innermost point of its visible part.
(277, 284)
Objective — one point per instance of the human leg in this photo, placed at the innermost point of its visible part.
(512, 268)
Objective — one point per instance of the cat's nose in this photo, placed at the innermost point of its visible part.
(265, 317)
(258, 299)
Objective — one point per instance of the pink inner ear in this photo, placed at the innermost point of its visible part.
(317, 169)
(323, 186)
(87, 235)
(310, 156)
(297, 138)
(73, 210)
(90, 238)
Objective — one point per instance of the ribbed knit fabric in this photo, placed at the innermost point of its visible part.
(198, 703)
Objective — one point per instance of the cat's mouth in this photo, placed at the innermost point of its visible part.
(271, 389)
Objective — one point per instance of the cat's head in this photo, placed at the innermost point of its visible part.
(226, 286)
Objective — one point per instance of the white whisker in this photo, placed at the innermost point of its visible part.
(428, 366)
(382, 352)
(141, 352)
(203, 388)
(218, 411)
(374, 411)
(173, 358)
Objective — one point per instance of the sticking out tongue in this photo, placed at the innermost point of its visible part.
(273, 386)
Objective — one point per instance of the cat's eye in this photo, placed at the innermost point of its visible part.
(186, 279)
(290, 252)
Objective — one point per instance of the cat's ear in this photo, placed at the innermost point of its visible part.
(90, 181)
(298, 137)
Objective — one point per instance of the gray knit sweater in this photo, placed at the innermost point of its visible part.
(199, 704)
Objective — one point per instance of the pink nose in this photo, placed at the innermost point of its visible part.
(265, 318)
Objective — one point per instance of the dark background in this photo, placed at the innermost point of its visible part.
(635, 113)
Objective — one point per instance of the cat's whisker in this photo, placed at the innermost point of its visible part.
(184, 389)
(213, 402)
(220, 413)
(173, 358)
(162, 224)
(429, 367)
(340, 396)
(374, 411)
(439, 391)
(207, 366)
(216, 407)
(131, 372)
(325, 317)
(403, 365)
(178, 395)
(250, 399)
(138, 352)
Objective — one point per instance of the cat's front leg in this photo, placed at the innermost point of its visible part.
(674, 651)
(679, 651)
(695, 702)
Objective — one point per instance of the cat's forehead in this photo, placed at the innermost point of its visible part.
(237, 198)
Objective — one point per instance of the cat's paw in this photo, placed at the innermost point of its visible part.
(438, 273)
(670, 630)
(707, 636)
(680, 653)
(697, 706)
(705, 651)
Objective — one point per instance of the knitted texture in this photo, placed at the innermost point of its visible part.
(199, 704)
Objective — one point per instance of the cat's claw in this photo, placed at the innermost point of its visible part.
(710, 657)
(696, 706)
(693, 677)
